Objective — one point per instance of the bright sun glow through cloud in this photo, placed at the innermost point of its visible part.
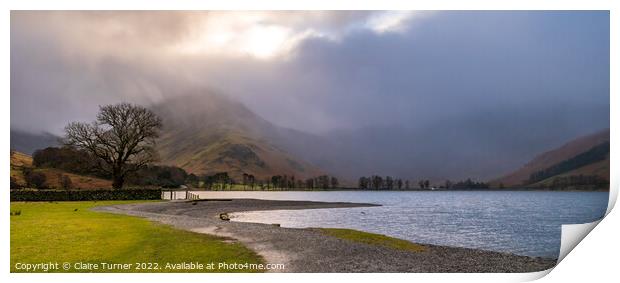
(242, 34)
(262, 36)
(266, 41)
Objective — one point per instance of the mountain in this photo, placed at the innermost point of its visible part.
(28, 142)
(480, 146)
(585, 156)
(208, 133)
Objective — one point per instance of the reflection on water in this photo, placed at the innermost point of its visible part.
(520, 222)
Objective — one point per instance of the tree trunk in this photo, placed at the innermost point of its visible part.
(117, 182)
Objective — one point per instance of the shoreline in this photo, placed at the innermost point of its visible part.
(401, 190)
(309, 250)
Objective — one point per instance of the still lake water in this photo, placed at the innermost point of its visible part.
(519, 222)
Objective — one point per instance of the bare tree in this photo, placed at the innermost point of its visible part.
(122, 139)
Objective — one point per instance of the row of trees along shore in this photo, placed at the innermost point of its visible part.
(223, 181)
(376, 182)
(120, 146)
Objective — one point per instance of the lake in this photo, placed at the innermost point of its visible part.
(519, 222)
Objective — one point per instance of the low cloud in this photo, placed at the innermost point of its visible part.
(315, 71)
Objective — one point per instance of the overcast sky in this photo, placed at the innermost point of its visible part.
(315, 71)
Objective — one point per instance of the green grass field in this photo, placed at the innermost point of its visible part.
(372, 239)
(69, 232)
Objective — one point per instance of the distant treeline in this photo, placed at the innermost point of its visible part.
(593, 155)
(376, 182)
(222, 181)
(467, 184)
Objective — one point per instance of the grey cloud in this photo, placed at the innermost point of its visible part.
(507, 84)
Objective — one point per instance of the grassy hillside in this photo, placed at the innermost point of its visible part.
(600, 169)
(20, 160)
(228, 151)
(207, 134)
(556, 156)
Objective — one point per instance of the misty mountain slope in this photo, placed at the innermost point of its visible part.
(209, 133)
(481, 145)
(27, 142)
(567, 152)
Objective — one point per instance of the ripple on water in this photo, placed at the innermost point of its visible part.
(520, 222)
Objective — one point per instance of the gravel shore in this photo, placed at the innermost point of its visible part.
(308, 250)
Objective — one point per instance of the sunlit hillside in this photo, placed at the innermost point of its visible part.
(19, 161)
